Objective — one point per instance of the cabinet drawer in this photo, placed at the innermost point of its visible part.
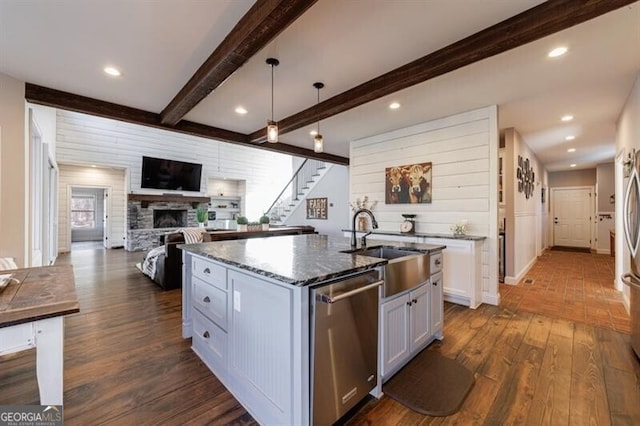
(211, 301)
(210, 272)
(436, 262)
(210, 343)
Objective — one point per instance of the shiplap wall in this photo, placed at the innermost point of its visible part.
(463, 150)
(79, 176)
(84, 139)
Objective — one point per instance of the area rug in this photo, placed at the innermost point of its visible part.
(574, 249)
(431, 384)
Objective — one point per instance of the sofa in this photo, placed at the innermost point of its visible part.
(168, 268)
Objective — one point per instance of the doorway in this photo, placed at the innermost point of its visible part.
(89, 217)
(572, 209)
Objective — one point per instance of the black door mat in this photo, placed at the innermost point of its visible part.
(575, 249)
(431, 384)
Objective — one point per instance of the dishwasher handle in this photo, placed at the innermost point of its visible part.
(329, 299)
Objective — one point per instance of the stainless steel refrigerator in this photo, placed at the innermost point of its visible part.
(631, 211)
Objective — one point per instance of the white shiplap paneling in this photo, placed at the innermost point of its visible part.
(463, 150)
(78, 176)
(84, 139)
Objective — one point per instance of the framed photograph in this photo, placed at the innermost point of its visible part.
(408, 184)
(317, 208)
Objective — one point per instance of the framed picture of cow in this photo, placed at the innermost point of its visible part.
(410, 184)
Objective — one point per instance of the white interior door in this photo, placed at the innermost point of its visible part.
(105, 220)
(572, 217)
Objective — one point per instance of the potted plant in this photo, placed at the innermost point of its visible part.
(202, 214)
(242, 223)
(255, 226)
(264, 221)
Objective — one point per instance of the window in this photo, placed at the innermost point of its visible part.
(83, 211)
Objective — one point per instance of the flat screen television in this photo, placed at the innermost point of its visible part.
(159, 173)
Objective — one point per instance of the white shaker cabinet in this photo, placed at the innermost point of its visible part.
(405, 328)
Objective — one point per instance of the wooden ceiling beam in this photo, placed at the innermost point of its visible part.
(261, 24)
(545, 19)
(58, 99)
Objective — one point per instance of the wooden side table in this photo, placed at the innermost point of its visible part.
(32, 316)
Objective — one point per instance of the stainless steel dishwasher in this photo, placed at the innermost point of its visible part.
(344, 339)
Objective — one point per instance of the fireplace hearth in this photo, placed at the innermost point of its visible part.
(169, 218)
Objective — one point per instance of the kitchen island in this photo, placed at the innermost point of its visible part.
(246, 303)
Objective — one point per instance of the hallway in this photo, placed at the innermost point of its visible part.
(572, 286)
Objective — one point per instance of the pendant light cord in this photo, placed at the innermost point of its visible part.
(318, 104)
(271, 92)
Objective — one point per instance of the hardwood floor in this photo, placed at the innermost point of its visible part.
(126, 363)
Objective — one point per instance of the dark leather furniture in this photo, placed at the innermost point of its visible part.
(169, 266)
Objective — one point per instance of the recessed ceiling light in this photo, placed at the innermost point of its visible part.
(569, 138)
(313, 132)
(572, 165)
(567, 118)
(112, 71)
(394, 105)
(571, 150)
(241, 110)
(558, 51)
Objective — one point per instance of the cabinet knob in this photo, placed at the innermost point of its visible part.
(438, 262)
(206, 299)
(435, 283)
(414, 301)
(206, 334)
(207, 271)
(409, 303)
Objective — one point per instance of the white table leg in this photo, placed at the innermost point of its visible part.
(50, 359)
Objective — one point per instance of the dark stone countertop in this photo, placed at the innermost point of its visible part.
(299, 260)
(423, 234)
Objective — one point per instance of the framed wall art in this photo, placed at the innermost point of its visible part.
(409, 184)
(317, 208)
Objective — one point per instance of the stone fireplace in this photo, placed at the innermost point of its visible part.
(149, 217)
(169, 218)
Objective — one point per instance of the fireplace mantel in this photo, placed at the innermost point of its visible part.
(145, 199)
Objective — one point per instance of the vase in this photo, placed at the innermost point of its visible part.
(242, 228)
(265, 226)
(201, 224)
(362, 223)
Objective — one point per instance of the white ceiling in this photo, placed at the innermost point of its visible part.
(65, 44)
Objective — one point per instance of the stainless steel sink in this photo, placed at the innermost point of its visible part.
(405, 269)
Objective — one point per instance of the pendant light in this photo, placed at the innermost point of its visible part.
(318, 141)
(272, 126)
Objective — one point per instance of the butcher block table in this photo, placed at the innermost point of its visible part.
(32, 313)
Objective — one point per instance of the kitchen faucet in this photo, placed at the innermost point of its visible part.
(374, 225)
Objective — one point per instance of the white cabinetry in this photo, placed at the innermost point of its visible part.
(251, 333)
(462, 277)
(405, 328)
(437, 313)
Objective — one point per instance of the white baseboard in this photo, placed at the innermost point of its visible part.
(491, 299)
(458, 300)
(603, 251)
(515, 280)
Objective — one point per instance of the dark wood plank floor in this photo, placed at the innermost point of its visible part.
(126, 363)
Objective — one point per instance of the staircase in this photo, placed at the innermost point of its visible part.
(296, 190)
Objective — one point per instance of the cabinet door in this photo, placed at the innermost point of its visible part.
(261, 347)
(436, 305)
(419, 322)
(395, 333)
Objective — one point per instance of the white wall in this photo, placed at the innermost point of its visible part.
(84, 139)
(334, 185)
(523, 215)
(463, 150)
(14, 169)
(605, 188)
(79, 176)
(627, 139)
